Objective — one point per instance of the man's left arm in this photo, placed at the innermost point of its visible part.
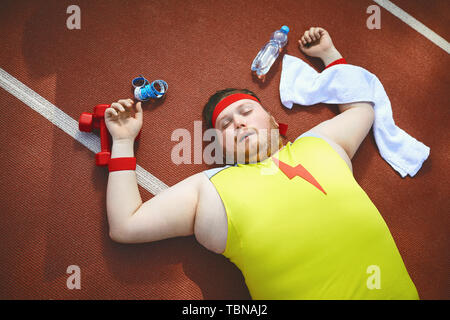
(349, 128)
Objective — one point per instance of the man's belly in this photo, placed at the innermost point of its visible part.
(293, 240)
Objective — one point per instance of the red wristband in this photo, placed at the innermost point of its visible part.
(338, 61)
(118, 164)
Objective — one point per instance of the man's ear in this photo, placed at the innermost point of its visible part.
(273, 122)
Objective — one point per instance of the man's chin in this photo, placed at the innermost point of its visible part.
(251, 154)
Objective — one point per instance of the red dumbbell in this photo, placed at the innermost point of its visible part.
(96, 120)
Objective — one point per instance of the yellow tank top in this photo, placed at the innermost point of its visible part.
(309, 232)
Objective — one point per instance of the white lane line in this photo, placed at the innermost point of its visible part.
(415, 24)
(69, 125)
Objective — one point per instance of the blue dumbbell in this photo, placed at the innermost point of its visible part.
(143, 90)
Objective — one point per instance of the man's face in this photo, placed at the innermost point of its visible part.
(246, 131)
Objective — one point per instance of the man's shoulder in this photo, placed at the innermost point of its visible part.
(210, 227)
(212, 172)
(337, 148)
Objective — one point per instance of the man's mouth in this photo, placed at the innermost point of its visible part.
(245, 136)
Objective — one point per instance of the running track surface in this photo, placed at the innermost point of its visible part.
(53, 209)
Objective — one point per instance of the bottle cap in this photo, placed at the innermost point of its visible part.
(285, 29)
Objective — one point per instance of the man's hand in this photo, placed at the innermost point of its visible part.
(121, 123)
(316, 42)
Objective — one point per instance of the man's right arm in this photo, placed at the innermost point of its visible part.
(170, 213)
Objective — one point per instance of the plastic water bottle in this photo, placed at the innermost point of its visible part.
(270, 51)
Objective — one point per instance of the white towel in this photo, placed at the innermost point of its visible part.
(344, 83)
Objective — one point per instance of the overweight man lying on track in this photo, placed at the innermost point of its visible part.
(292, 218)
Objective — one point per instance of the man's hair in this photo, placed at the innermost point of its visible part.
(216, 98)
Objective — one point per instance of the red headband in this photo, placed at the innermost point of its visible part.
(227, 101)
(236, 97)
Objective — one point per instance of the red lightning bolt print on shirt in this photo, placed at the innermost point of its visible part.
(299, 171)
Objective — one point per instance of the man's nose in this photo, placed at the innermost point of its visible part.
(239, 121)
